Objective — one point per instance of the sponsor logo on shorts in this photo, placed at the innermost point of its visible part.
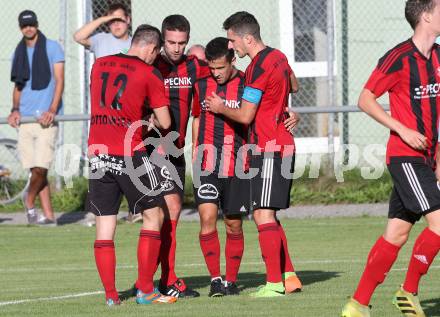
(165, 173)
(166, 185)
(207, 191)
(106, 163)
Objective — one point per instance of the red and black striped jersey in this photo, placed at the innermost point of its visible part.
(413, 85)
(216, 131)
(122, 88)
(179, 81)
(270, 73)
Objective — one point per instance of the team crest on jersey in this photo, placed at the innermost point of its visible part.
(207, 191)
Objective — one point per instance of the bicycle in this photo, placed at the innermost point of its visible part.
(14, 179)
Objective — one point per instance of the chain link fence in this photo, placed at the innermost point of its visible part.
(332, 45)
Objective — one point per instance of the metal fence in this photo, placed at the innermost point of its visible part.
(332, 45)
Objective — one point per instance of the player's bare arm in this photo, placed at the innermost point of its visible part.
(195, 132)
(58, 74)
(368, 103)
(294, 85)
(14, 117)
(82, 35)
(245, 114)
(162, 117)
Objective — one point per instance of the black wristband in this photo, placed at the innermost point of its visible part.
(13, 109)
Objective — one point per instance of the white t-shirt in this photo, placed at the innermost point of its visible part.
(103, 44)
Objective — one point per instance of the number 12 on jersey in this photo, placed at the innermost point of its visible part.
(120, 82)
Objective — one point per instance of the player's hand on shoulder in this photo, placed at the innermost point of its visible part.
(414, 139)
(214, 103)
(14, 119)
(292, 121)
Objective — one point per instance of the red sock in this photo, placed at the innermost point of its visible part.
(425, 249)
(270, 244)
(105, 259)
(286, 263)
(379, 262)
(210, 245)
(168, 252)
(147, 254)
(233, 253)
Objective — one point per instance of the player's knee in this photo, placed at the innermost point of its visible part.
(397, 238)
(234, 230)
(261, 217)
(208, 223)
(435, 228)
(174, 207)
(233, 226)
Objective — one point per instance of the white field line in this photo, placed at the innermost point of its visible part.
(41, 299)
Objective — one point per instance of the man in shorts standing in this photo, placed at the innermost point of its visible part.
(180, 73)
(38, 75)
(123, 87)
(409, 72)
(268, 83)
(217, 141)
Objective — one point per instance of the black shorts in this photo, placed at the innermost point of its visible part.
(231, 194)
(168, 174)
(271, 187)
(416, 191)
(113, 176)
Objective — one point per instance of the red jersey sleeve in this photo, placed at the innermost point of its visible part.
(195, 111)
(156, 90)
(257, 78)
(380, 82)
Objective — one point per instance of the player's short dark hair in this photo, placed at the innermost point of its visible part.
(415, 8)
(147, 34)
(118, 6)
(218, 48)
(175, 22)
(243, 23)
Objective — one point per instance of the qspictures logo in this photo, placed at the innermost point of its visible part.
(427, 91)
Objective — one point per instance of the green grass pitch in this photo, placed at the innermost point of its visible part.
(42, 270)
